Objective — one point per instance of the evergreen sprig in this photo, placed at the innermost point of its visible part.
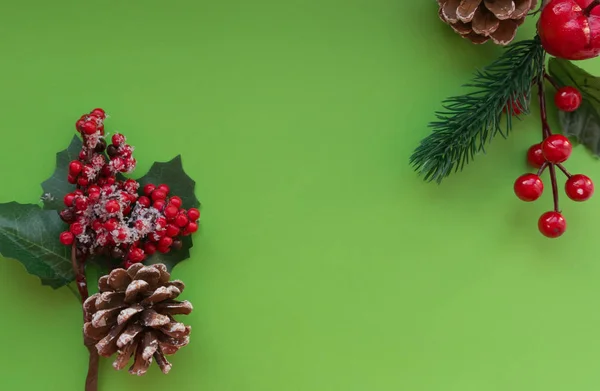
(470, 121)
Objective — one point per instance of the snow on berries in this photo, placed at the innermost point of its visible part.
(112, 216)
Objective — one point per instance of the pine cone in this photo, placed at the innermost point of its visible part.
(481, 20)
(133, 315)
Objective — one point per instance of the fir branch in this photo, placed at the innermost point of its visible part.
(470, 121)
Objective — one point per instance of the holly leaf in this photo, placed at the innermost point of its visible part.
(172, 174)
(57, 185)
(582, 124)
(29, 234)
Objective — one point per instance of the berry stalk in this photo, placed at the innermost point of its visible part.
(588, 10)
(546, 132)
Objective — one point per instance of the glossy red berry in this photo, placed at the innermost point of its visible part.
(529, 187)
(98, 113)
(148, 189)
(75, 167)
(118, 139)
(144, 201)
(89, 127)
(165, 242)
(79, 124)
(181, 220)
(535, 157)
(556, 148)
(72, 179)
(191, 228)
(158, 195)
(97, 225)
(111, 224)
(149, 248)
(66, 238)
(82, 181)
(161, 222)
(159, 204)
(579, 187)
(112, 206)
(567, 99)
(81, 203)
(172, 230)
(193, 214)
(171, 211)
(552, 224)
(136, 254)
(68, 199)
(567, 32)
(76, 229)
(163, 250)
(93, 189)
(164, 188)
(175, 201)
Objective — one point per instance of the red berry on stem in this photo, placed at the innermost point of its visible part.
(567, 32)
(193, 214)
(112, 206)
(144, 201)
(552, 224)
(528, 187)
(75, 167)
(76, 229)
(579, 187)
(66, 238)
(181, 220)
(556, 148)
(148, 189)
(171, 211)
(175, 201)
(567, 99)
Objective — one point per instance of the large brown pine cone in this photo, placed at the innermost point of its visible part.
(482, 20)
(132, 314)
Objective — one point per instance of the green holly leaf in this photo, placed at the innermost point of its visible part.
(57, 185)
(172, 174)
(582, 124)
(29, 234)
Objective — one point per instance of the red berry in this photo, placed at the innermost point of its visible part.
(72, 179)
(93, 197)
(93, 189)
(552, 224)
(165, 242)
(193, 214)
(75, 167)
(139, 225)
(136, 254)
(191, 228)
(175, 201)
(579, 187)
(161, 222)
(89, 127)
(79, 124)
(528, 187)
(111, 224)
(158, 195)
(567, 99)
(127, 264)
(164, 188)
(159, 204)
(172, 230)
(163, 250)
(98, 113)
(112, 206)
(144, 201)
(105, 171)
(81, 203)
(110, 181)
(118, 139)
(82, 155)
(566, 32)
(82, 181)
(76, 229)
(131, 186)
(97, 225)
(66, 238)
(127, 210)
(121, 234)
(148, 189)
(171, 211)
(517, 109)
(117, 163)
(149, 248)
(68, 199)
(556, 148)
(181, 220)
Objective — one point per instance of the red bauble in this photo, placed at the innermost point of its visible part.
(579, 187)
(528, 187)
(552, 224)
(566, 32)
(535, 157)
(567, 99)
(556, 148)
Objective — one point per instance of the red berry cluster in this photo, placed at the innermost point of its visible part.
(106, 215)
(551, 153)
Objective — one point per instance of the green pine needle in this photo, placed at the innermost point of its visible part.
(470, 121)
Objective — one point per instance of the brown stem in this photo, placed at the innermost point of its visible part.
(542, 168)
(91, 381)
(551, 80)
(564, 170)
(554, 187)
(588, 10)
(546, 132)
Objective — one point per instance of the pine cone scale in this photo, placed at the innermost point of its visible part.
(132, 316)
(466, 10)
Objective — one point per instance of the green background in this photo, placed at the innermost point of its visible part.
(324, 263)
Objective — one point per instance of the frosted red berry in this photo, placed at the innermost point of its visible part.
(556, 148)
(149, 248)
(579, 187)
(66, 238)
(552, 224)
(112, 206)
(111, 224)
(75, 167)
(98, 113)
(144, 201)
(118, 139)
(76, 229)
(567, 99)
(193, 214)
(528, 187)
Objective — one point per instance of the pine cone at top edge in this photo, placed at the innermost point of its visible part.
(482, 20)
(132, 315)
